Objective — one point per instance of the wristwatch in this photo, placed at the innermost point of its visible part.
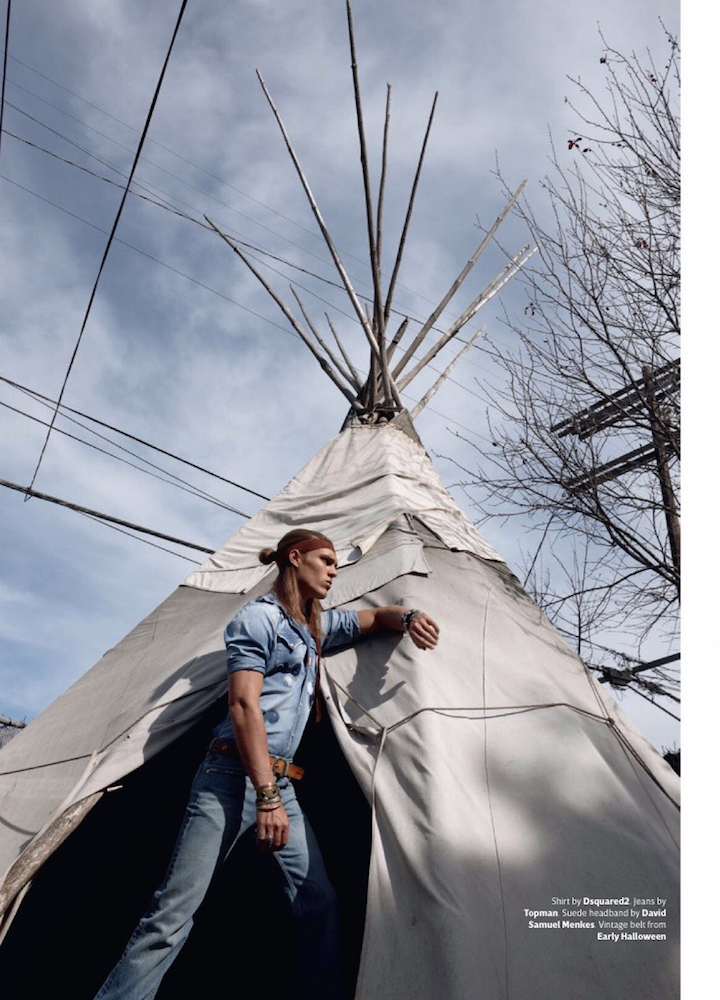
(408, 617)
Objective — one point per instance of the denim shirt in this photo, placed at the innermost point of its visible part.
(264, 637)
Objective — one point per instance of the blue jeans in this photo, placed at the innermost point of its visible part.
(221, 808)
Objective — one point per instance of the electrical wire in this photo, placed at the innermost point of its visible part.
(104, 517)
(158, 166)
(177, 177)
(249, 246)
(110, 239)
(132, 437)
(200, 222)
(89, 153)
(310, 232)
(396, 311)
(188, 277)
(149, 256)
(145, 541)
(180, 484)
(169, 206)
(196, 221)
(208, 288)
(4, 69)
(652, 702)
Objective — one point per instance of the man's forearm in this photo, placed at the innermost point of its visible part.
(251, 738)
(420, 627)
(388, 618)
(273, 825)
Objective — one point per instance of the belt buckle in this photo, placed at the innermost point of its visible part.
(280, 767)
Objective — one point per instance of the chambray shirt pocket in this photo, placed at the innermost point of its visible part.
(290, 656)
(284, 701)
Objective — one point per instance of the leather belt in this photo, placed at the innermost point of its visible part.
(281, 768)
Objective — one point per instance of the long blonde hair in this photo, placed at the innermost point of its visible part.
(285, 586)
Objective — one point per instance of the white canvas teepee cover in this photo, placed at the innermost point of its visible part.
(501, 777)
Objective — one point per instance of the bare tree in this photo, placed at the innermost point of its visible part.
(584, 405)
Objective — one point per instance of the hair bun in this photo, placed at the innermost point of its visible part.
(266, 556)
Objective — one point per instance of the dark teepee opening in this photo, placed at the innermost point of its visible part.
(87, 898)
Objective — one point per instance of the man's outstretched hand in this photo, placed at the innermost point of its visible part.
(423, 631)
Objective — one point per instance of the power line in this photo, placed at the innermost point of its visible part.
(194, 187)
(40, 397)
(5, 59)
(102, 517)
(145, 541)
(149, 256)
(160, 145)
(175, 210)
(112, 234)
(653, 702)
(195, 166)
(259, 250)
(169, 207)
(208, 288)
(101, 423)
(179, 483)
(182, 274)
(83, 149)
(157, 166)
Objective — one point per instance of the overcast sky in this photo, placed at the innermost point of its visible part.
(182, 348)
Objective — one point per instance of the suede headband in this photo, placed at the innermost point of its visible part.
(307, 545)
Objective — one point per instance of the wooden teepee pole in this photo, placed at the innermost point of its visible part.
(487, 293)
(434, 388)
(374, 240)
(348, 362)
(291, 319)
(367, 328)
(408, 214)
(383, 175)
(340, 368)
(518, 261)
(374, 262)
(430, 322)
(397, 338)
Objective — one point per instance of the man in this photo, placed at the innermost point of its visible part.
(274, 646)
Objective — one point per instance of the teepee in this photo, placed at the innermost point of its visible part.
(515, 818)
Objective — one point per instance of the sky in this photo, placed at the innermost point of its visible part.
(182, 348)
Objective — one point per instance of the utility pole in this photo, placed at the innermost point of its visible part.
(661, 459)
(655, 387)
(12, 723)
(621, 678)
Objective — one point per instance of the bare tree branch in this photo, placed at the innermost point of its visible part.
(583, 408)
